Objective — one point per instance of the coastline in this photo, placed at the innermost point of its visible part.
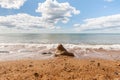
(20, 51)
(35, 62)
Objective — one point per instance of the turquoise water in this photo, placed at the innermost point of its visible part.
(61, 38)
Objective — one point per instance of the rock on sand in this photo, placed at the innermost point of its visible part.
(62, 51)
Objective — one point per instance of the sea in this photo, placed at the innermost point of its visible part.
(15, 46)
(88, 38)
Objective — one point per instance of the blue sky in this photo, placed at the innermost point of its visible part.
(60, 16)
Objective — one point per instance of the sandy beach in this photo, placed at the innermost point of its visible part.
(88, 64)
(60, 68)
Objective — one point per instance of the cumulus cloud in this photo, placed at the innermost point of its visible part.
(23, 21)
(53, 11)
(100, 23)
(12, 4)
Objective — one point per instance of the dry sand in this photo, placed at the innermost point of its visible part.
(60, 68)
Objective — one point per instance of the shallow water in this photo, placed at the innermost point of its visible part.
(35, 51)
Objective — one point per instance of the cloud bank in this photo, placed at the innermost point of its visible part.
(23, 21)
(11, 4)
(51, 10)
(100, 23)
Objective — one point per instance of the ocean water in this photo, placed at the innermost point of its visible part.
(94, 39)
(32, 46)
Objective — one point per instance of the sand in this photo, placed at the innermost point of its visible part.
(60, 68)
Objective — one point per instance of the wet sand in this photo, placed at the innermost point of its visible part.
(60, 68)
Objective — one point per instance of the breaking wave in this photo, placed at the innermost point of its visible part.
(15, 51)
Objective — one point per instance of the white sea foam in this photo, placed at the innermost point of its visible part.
(14, 51)
(49, 46)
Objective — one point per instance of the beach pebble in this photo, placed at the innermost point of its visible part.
(36, 74)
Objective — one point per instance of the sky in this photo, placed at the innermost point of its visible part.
(59, 16)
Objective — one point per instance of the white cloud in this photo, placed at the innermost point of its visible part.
(109, 0)
(53, 12)
(100, 23)
(24, 21)
(12, 4)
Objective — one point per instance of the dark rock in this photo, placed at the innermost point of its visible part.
(94, 78)
(44, 53)
(61, 48)
(36, 74)
(103, 69)
(98, 64)
(62, 51)
(30, 65)
(116, 73)
(49, 53)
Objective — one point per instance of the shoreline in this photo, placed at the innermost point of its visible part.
(59, 63)
(36, 51)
